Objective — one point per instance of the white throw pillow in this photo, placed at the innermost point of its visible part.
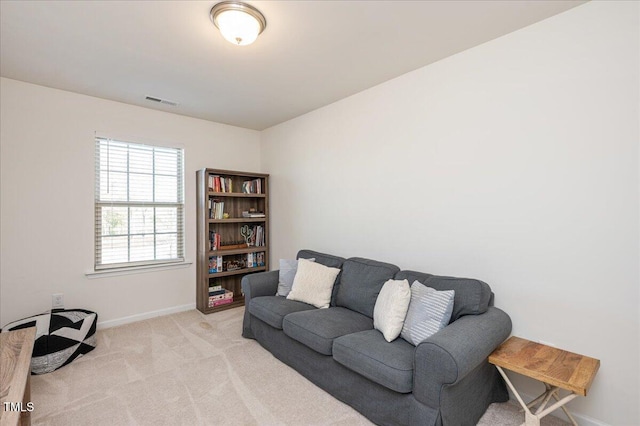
(313, 283)
(391, 308)
(429, 312)
(286, 275)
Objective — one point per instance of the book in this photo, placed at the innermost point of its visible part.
(216, 292)
(221, 299)
(218, 183)
(215, 287)
(213, 304)
(215, 264)
(214, 241)
(253, 214)
(252, 186)
(216, 209)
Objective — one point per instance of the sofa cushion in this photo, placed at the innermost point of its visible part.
(472, 296)
(391, 308)
(286, 275)
(318, 328)
(313, 283)
(429, 312)
(361, 282)
(369, 354)
(326, 260)
(273, 309)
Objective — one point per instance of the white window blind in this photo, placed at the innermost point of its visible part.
(139, 204)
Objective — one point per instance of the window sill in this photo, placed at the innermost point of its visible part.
(136, 270)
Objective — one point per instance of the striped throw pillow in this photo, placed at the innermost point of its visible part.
(429, 312)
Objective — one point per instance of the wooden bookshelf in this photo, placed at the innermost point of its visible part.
(220, 211)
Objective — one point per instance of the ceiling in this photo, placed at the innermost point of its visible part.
(312, 53)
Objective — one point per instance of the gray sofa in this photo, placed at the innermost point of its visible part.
(445, 380)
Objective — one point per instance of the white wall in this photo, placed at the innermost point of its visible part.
(515, 162)
(47, 176)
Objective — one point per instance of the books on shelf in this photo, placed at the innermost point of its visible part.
(223, 298)
(214, 241)
(252, 214)
(252, 186)
(216, 244)
(220, 184)
(255, 260)
(215, 264)
(217, 303)
(234, 263)
(255, 236)
(216, 209)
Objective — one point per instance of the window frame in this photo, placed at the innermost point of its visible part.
(100, 204)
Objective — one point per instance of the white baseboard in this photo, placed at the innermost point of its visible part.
(582, 419)
(139, 317)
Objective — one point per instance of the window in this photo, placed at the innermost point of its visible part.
(139, 204)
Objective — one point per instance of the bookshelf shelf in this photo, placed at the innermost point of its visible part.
(238, 220)
(236, 195)
(229, 252)
(237, 271)
(229, 193)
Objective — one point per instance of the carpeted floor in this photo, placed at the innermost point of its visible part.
(193, 369)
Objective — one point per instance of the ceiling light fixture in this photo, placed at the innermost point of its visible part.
(238, 22)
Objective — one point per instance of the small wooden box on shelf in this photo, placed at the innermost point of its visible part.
(232, 235)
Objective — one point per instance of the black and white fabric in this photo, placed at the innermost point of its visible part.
(61, 336)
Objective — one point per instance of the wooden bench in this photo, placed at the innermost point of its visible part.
(15, 376)
(556, 368)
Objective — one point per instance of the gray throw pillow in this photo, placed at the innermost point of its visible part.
(429, 312)
(288, 269)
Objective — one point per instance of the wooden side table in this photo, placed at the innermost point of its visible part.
(15, 376)
(556, 368)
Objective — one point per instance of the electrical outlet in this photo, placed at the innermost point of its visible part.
(57, 301)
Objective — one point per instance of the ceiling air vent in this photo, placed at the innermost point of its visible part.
(161, 101)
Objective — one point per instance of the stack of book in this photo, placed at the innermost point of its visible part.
(219, 296)
(255, 259)
(220, 184)
(214, 240)
(215, 264)
(259, 236)
(216, 209)
(252, 186)
(252, 214)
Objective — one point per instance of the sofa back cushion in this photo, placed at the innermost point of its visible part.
(326, 260)
(360, 283)
(472, 296)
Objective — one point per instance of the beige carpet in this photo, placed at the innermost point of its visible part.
(193, 369)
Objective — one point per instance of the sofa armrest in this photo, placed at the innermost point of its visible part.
(449, 355)
(260, 284)
(256, 285)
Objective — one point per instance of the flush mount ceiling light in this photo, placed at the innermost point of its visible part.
(238, 22)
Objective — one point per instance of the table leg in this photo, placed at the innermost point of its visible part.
(530, 419)
(533, 419)
(25, 416)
